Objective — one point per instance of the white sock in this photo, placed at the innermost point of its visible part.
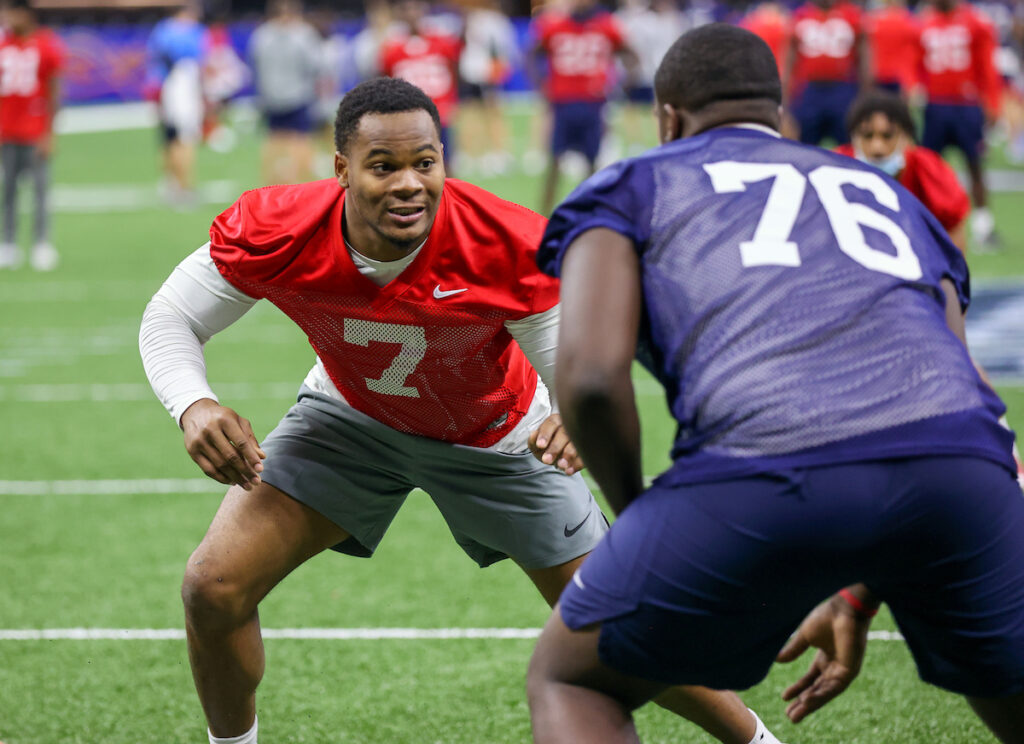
(249, 737)
(982, 223)
(762, 735)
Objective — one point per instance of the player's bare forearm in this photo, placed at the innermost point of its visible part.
(601, 306)
(603, 422)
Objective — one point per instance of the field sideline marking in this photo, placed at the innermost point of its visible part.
(304, 634)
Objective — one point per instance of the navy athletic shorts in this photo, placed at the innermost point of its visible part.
(954, 125)
(821, 111)
(703, 583)
(296, 120)
(578, 126)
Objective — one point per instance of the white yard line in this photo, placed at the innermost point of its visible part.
(109, 487)
(303, 634)
(106, 393)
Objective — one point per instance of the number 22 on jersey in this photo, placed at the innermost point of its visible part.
(772, 245)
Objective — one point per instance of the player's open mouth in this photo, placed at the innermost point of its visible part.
(406, 215)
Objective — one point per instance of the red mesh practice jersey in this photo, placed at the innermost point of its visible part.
(428, 353)
(431, 63)
(928, 177)
(826, 49)
(956, 58)
(772, 24)
(893, 33)
(580, 54)
(27, 67)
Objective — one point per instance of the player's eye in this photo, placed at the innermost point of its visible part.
(380, 168)
(426, 164)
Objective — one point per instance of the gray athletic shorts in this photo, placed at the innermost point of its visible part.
(357, 472)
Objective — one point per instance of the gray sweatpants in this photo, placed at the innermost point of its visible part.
(15, 159)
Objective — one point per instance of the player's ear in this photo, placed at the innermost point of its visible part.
(670, 123)
(341, 169)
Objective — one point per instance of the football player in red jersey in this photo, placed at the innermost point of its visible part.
(580, 45)
(882, 134)
(429, 316)
(963, 90)
(31, 59)
(828, 62)
(892, 36)
(429, 60)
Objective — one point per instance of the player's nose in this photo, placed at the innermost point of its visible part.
(406, 181)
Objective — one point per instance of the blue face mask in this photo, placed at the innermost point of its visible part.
(890, 165)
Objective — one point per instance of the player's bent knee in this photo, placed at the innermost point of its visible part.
(210, 598)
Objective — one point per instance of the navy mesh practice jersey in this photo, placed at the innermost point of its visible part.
(792, 305)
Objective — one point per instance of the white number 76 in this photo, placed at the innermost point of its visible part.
(771, 244)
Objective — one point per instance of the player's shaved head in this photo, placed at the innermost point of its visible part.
(714, 63)
(378, 96)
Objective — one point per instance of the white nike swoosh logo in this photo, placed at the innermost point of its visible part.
(440, 294)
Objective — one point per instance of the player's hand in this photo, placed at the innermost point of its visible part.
(45, 146)
(841, 637)
(222, 444)
(550, 444)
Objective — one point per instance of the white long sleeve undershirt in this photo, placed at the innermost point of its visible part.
(197, 302)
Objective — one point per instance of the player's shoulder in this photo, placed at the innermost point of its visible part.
(924, 160)
(474, 205)
(269, 218)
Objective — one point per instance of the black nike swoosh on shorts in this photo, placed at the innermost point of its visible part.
(574, 530)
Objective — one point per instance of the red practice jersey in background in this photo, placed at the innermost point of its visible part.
(426, 354)
(956, 58)
(28, 65)
(893, 35)
(826, 48)
(930, 178)
(581, 54)
(431, 63)
(770, 22)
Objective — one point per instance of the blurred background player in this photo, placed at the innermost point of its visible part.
(771, 21)
(286, 54)
(427, 57)
(31, 60)
(175, 54)
(489, 53)
(651, 27)
(224, 76)
(826, 66)
(962, 89)
(579, 44)
(892, 32)
(882, 134)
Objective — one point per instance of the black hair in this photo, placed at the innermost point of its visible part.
(20, 5)
(880, 102)
(381, 95)
(717, 62)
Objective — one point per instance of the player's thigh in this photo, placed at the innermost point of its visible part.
(702, 584)
(935, 131)
(953, 574)
(256, 539)
(551, 581)
(342, 464)
(499, 505)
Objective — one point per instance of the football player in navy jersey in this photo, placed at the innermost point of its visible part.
(805, 316)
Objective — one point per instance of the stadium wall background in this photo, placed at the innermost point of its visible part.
(106, 63)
